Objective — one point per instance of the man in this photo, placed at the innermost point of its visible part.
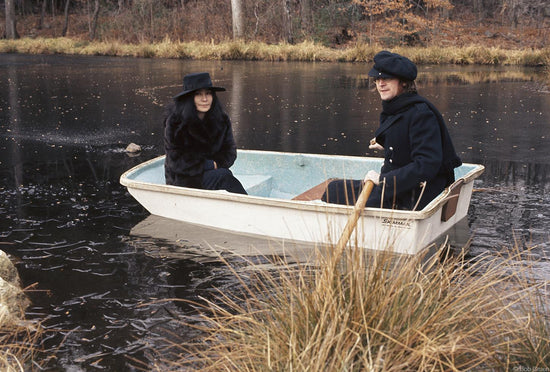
(419, 156)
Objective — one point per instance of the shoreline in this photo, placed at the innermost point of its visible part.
(306, 51)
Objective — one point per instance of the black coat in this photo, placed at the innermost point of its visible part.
(417, 149)
(191, 148)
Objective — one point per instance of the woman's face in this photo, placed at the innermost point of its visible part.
(203, 101)
(389, 88)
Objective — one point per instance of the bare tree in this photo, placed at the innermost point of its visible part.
(66, 22)
(306, 16)
(93, 21)
(287, 21)
(40, 23)
(237, 16)
(11, 28)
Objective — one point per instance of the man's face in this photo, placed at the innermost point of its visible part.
(389, 88)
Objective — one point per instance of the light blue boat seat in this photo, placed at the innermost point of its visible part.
(256, 184)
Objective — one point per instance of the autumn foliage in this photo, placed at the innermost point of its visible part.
(502, 23)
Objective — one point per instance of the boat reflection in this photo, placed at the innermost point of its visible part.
(168, 238)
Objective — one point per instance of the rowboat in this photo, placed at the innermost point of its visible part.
(282, 202)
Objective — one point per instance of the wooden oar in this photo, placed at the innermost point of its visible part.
(357, 209)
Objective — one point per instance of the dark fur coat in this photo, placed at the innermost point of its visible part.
(192, 146)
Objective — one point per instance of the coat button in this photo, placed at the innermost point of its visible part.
(391, 160)
(391, 148)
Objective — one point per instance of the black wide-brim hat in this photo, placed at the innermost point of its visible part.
(389, 65)
(196, 81)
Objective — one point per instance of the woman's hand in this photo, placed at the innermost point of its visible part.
(375, 145)
(372, 176)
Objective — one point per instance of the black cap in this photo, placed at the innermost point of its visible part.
(389, 65)
(196, 81)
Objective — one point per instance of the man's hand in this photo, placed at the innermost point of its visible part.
(372, 176)
(375, 145)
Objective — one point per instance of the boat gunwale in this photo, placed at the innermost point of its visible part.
(428, 211)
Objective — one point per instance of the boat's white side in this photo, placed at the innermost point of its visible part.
(273, 178)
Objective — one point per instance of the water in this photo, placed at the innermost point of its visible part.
(105, 293)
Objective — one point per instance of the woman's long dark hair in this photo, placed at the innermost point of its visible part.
(183, 109)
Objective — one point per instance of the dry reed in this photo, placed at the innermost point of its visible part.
(379, 312)
(304, 51)
(18, 344)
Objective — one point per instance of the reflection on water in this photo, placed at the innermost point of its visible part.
(102, 286)
(512, 204)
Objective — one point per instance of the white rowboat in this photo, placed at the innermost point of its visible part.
(274, 179)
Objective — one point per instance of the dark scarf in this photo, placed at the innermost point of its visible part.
(404, 101)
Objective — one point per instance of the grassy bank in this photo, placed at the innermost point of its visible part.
(305, 51)
(354, 313)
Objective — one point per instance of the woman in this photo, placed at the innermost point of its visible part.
(198, 139)
(419, 157)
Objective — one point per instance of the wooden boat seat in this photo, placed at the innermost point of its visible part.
(449, 208)
(315, 192)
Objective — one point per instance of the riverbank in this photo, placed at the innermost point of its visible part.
(256, 51)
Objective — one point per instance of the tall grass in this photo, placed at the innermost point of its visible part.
(379, 312)
(305, 51)
(19, 342)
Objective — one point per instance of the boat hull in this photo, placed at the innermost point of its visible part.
(273, 178)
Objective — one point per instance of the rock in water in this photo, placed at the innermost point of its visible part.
(133, 148)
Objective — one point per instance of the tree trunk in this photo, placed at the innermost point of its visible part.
(11, 29)
(237, 17)
(306, 15)
(287, 22)
(42, 15)
(93, 23)
(66, 22)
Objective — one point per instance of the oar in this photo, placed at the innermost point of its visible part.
(357, 209)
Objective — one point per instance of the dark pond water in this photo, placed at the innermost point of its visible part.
(104, 292)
